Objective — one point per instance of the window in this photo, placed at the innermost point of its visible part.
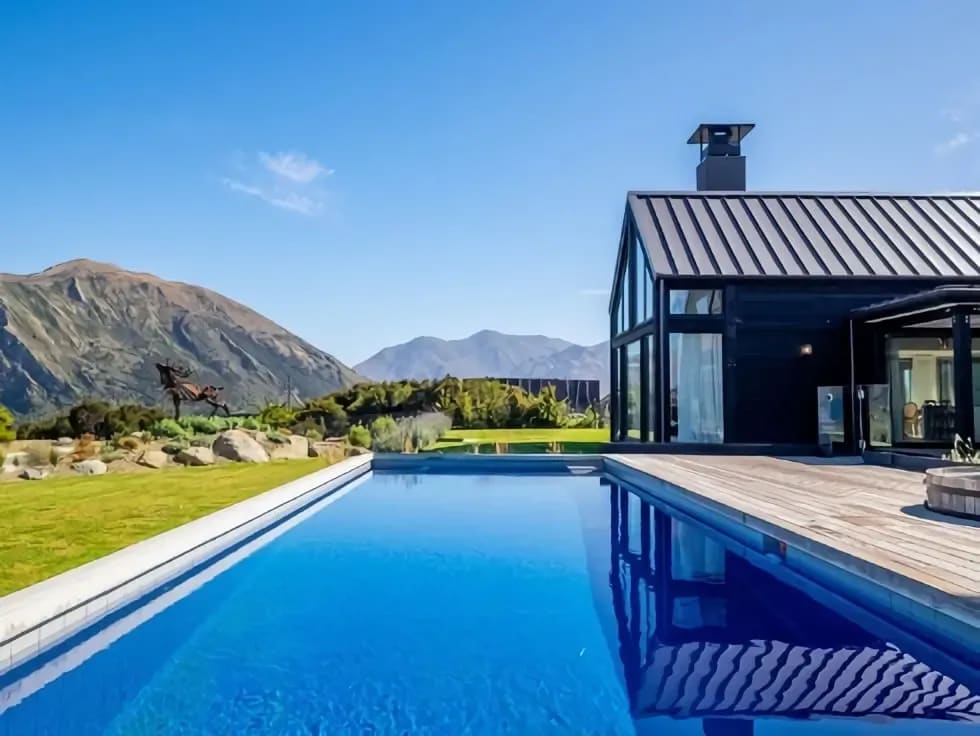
(920, 375)
(633, 391)
(695, 301)
(648, 297)
(638, 265)
(650, 398)
(696, 406)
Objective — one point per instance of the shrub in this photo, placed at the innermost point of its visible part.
(359, 436)
(167, 428)
(128, 443)
(202, 425)
(107, 456)
(277, 416)
(385, 436)
(7, 432)
(309, 428)
(37, 455)
(251, 423)
(45, 429)
(129, 418)
(88, 417)
(423, 430)
(172, 448)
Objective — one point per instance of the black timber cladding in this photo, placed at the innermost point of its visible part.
(732, 234)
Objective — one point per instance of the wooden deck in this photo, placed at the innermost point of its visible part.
(865, 513)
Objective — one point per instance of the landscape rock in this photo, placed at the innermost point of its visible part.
(154, 459)
(16, 460)
(35, 473)
(64, 442)
(327, 449)
(90, 467)
(61, 451)
(234, 444)
(295, 447)
(195, 456)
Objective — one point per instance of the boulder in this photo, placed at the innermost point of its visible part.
(195, 456)
(60, 451)
(34, 473)
(90, 467)
(64, 442)
(294, 448)
(154, 459)
(327, 450)
(15, 460)
(234, 444)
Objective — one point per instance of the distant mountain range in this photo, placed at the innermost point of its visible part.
(489, 353)
(86, 329)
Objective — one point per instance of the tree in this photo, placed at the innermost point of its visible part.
(277, 415)
(7, 432)
(88, 417)
(360, 436)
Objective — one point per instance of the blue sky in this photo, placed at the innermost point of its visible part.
(365, 172)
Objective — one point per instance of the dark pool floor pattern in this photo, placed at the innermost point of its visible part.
(489, 605)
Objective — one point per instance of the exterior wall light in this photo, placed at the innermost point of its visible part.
(806, 349)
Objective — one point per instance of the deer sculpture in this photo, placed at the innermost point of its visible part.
(173, 379)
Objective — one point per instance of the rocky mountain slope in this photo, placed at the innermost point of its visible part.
(87, 329)
(489, 353)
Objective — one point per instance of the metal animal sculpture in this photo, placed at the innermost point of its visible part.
(172, 378)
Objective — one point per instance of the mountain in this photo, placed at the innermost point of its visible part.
(575, 361)
(86, 329)
(488, 353)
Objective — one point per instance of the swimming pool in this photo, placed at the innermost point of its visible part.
(485, 604)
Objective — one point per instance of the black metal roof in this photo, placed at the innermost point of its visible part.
(736, 234)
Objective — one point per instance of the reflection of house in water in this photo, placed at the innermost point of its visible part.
(704, 634)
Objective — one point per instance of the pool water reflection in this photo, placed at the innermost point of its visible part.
(702, 634)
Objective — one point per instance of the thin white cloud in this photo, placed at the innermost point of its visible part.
(956, 141)
(593, 292)
(284, 180)
(293, 165)
(953, 114)
(288, 201)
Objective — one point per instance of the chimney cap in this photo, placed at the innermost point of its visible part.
(736, 132)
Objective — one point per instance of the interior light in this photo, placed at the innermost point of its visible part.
(806, 349)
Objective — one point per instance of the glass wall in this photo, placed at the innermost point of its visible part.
(920, 373)
(975, 352)
(634, 394)
(695, 301)
(696, 405)
(651, 393)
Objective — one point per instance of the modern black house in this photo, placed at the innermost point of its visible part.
(794, 318)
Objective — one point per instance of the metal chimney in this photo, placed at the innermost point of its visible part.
(722, 166)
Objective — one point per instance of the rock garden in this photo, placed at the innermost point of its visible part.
(166, 446)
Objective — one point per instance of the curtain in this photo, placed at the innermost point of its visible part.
(700, 409)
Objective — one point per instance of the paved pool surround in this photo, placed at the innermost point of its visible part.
(44, 615)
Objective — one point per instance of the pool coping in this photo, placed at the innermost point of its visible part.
(37, 618)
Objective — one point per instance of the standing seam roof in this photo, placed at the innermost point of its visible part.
(809, 234)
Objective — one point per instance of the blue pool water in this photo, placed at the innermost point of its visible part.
(440, 604)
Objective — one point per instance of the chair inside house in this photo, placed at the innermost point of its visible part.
(911, 420)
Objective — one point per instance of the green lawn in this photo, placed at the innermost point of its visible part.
(522, 440)
(49, 526)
